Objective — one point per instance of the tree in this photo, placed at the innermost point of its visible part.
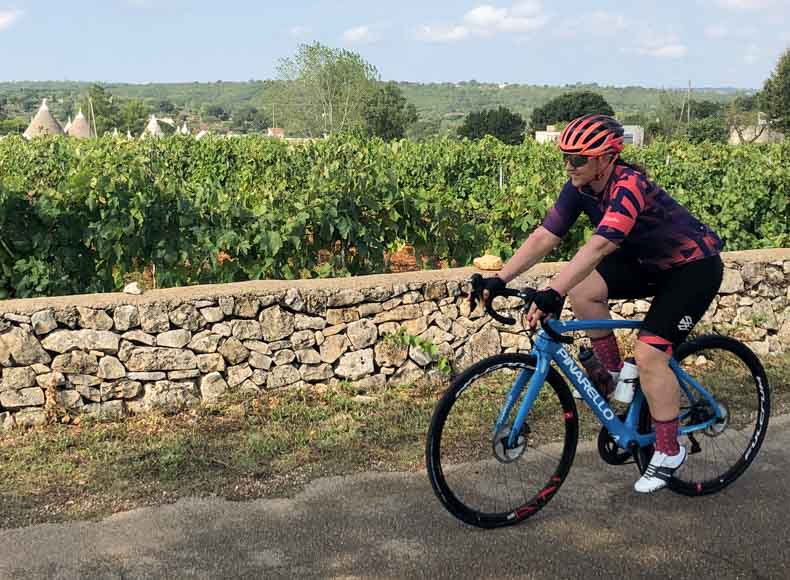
(326, 90)
(134, 117)
(387, 114)
(712, 128)
(776, 95)
(250, 120)
(100, 105)
(501, 123)
(567, 107)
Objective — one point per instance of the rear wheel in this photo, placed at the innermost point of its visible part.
(735, 378)
(473, 471)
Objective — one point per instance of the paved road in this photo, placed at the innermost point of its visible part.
(390, 526)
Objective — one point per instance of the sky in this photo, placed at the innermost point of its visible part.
(667, 43)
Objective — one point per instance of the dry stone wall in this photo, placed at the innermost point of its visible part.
(112, 355)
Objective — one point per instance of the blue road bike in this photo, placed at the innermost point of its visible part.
(503, 437)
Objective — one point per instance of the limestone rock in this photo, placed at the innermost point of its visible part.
(160, 359)
(246, 329)
(355, 365)
(488, 262)
(212, 315)
(125, 389)
(391, 354)
(302, 339)
(170, 396)
(209, 363)
(276, 324)
(63, 341)
(77, 362)
(154, 318)
(333, 348)
(315, 373)
(362, 334)
(284, 357)
(282, 376)
(212, 387)
(234, 351)
(16, 378)
(94, 319)
(238, 374)
(22, 347)
(260, 361)
(346, 297)
(187, 316)
(246, 307)
(140, 337)
(44, 322)
(126, 317)
(174, 338)
(111, 368)
(30, 397)
(205, 341)
(732, 282)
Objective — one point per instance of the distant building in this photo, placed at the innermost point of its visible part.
(152, 129)
(550, 135)
(43, 123)
(278, 132)
(80, 128)
(634, 135)
(759, 133)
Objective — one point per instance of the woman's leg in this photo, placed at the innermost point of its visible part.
(590, 301)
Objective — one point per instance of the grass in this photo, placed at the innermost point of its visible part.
(244, 449)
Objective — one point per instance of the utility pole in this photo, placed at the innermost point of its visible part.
(688, 118)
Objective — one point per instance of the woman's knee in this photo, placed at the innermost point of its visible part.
(649, 358)
(592, 289)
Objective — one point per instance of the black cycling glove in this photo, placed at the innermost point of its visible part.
(549, 301)
(494, 285)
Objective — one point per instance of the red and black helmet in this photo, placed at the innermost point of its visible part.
(592, 135)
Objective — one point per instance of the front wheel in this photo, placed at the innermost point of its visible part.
(718, 455)
(476, 475)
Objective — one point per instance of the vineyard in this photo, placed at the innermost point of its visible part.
(82, 216)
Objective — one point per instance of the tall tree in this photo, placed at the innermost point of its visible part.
(100, 105)
(568, 106)
(388, 114)
(134, 117)
(776, 95)
(326, 92)
(501, 123)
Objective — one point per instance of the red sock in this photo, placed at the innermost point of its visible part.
(608, 352)
(667, 436)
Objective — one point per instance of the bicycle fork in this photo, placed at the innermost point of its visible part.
(536, 377)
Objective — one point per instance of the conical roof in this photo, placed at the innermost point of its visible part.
(43, 124)
(67, 126)
(80, 127)
(152, 129)
(184, 129)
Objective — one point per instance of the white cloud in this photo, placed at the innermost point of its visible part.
(299, 31)
(8, 17)
(667, 46)
(487, 20)
(442, 33)
(598, 23)
(744, 4)
(717, 31)
(359, 34)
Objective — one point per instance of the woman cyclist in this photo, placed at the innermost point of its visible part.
(645, 244)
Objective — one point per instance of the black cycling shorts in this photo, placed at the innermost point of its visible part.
(681, 295)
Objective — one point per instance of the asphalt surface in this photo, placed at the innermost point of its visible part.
(391, 526)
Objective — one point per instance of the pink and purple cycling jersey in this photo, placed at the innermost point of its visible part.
(638, 216)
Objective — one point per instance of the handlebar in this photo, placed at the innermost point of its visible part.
(527, 295)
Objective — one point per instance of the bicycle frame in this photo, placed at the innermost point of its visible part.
(625, 432)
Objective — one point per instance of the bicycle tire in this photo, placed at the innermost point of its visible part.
(732, 373)
(480, 385)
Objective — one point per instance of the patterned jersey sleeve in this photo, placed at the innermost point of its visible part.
(626, 203)
(565, 212)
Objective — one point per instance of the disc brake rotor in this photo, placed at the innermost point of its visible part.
(504, 454)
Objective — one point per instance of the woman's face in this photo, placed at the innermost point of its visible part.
(587, 173)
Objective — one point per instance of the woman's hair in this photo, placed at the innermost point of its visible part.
(635, 166)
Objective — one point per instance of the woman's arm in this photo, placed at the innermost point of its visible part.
(582, 264)
(536, 247)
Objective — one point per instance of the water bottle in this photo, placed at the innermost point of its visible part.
(626, 384)
(600, 377)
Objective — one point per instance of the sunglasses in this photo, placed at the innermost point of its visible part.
(576, 160)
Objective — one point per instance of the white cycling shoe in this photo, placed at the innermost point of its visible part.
(660, 470)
